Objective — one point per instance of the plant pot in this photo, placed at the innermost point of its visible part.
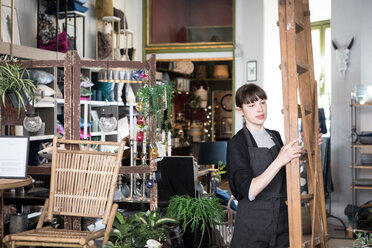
(14, 99)
(195, 238)
(175, 237)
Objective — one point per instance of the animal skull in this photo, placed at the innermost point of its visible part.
(342, 57)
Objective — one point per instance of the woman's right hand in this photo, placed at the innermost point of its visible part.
(288, 152)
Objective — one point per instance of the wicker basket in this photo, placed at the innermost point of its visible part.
(221, 71)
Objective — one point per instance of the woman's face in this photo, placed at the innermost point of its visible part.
(254, 114)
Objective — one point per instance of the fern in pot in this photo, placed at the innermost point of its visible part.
(15, 85)
(198, 217)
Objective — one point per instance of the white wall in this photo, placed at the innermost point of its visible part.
(133, 12)
(249, 37)
(349, 19)
(272, 77)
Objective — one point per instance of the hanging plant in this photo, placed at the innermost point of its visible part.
(14, 80)
(155, 100)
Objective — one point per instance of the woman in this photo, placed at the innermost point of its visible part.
(256, 159)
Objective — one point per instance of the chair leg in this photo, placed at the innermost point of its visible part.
(43, 214)
(91, 244)
(110, 223)
(13, 244)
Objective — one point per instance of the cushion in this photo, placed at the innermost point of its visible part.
(47, 28)
(82, 123)
(86, 82)
(104, 8)
(40, 76)
(43, 90)
(72, 5)
(82, 134)
(62, 43)
(60, 130)
(81, 1)
(85, 92)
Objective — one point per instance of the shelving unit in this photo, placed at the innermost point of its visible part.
(50, 109)
(358, 170)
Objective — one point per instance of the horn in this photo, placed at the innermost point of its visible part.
(334, 45)
(350, 44)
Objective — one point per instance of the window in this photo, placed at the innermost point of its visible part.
(321, 40)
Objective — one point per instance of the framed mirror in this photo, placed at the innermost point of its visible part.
(189, 24)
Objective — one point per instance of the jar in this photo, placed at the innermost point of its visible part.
(203, 94)
(195, 131)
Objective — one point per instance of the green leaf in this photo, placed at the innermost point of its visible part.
(119, 216)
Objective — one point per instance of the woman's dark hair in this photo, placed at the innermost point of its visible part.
(249, 93)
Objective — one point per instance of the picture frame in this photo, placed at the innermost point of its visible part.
(252, 71)
(6, 25)
(94, 115)
(13, 156)
(226, 125)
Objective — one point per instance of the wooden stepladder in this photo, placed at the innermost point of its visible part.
(299, 87)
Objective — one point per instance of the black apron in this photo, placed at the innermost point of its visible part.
(263, 222)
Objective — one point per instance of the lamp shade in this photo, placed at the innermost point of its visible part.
(212, 152)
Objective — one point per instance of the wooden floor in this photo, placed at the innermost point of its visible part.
(340, 243)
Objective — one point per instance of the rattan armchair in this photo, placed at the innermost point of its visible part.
(83, 180)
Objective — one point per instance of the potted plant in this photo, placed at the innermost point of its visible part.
(15, 85)
(137, 230)
(156, 99)
(363, 239)
(198, 216)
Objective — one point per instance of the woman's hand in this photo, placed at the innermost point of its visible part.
(288, 152)
(320, 139)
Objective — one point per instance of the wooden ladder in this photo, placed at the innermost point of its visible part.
(299, 87)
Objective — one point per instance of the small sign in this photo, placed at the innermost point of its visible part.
(13, 157)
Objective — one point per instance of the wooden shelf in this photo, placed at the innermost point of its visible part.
(173, 72)
(211, 79)
(95, 134)
(41, 137)
(359, 166)
(360, 187)
(50, 104)
(358, 145)
(29, 52)
(361, 105)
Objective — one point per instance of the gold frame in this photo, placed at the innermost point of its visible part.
(176, 46)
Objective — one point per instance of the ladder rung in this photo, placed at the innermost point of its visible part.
(307, 13)
(307, 197)
(301, 69)
(299, 28)
(307, 112)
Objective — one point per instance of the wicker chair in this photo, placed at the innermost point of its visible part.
(82, 184)
(224, 231)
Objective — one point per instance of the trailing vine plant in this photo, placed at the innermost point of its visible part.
(155, 100)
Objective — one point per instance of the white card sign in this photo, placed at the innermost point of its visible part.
(13, 157)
